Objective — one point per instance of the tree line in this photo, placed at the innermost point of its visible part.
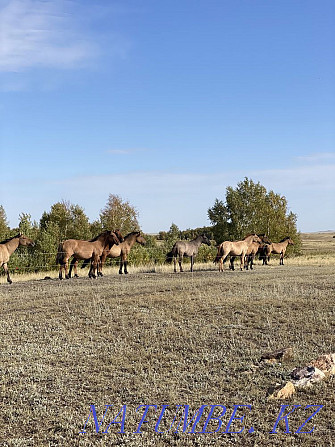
(246, 209)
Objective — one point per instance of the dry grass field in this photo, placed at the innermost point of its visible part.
(158, 338)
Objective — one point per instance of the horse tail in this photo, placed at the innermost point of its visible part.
(219, 254)
(169, 257)
(59, 257)
(85, 263)
(172, 254)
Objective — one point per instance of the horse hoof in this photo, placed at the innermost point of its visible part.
(76, 276)
(126, 273)
(67, 277)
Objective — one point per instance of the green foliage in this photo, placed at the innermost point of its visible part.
(4, 227)
(249, 208)
(66, 221)
(118, 214)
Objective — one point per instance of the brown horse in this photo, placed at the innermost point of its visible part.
(186, 248)
(122, 250)
(236, 248)
(84, 250)
(8, 247)
(278, 248)
(74, 262)
(254, 249)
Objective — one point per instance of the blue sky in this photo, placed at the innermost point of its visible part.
(166, 103)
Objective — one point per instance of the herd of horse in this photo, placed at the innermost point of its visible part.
(113, 244)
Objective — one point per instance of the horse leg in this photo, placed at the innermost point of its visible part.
(192, 262)
(75, 265)
(5, 267)
(125, 263)
(180, 260)
(175, 264)
(246, 262)
(102, 260)
(66, 268)
(242, 262)
(60, 274)
(281, 259)
(231, 263)
(94, 266)
(251, 262)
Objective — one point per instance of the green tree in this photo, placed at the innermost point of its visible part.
(27, 227)
(4, 226)
(66, 221)
(118, 214)
(250, 208)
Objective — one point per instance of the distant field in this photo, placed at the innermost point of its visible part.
(315, 243)
(154, 337)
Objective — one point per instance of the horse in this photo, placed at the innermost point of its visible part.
(84, 250)
(122, 250)
(75, 260)
(254, 249)
(277, 248)
(8, 247)
(236, 248)
(186, 248)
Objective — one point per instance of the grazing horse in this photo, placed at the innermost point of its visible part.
(121, 250)
(84, 250)
(278, 248)
(8, 247)
(186, 248)
(236, 248)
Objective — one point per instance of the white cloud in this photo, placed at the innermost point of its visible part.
(38, 33)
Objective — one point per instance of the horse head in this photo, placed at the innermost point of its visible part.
(25, 241)
(205, 240)
(119, 236)
(264, 238)
(140, 239)
(290, 242)
(256, 238)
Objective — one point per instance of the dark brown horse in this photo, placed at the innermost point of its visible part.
(8, 247)
(122, 250)
(186, 248)
(84, 250)
(235, 248)
(278, 248)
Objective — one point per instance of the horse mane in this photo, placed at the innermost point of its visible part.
(249, 234)
(285, 239)
(10, 238)
(97, 237)
(131, 233)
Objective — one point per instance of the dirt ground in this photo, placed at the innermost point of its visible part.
(165, 339)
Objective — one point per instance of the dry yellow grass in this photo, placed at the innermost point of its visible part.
(154, 337)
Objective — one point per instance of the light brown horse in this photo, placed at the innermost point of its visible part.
(122, 250)
(254, 249)
(236, 248)
(84, 250)
(186, 248)
(278, 248)
(8, 247)
(74, 262)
